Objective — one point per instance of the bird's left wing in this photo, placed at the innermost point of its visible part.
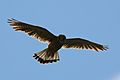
(83, 44)
(38, 32)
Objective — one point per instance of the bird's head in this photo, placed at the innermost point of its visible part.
(62, 37)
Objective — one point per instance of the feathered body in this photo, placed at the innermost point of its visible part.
(50, 54)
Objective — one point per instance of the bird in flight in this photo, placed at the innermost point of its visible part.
(50, 54)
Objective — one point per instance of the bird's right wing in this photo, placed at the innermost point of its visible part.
(83, 44)
(38, 32)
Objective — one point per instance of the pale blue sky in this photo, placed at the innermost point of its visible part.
(95, 20)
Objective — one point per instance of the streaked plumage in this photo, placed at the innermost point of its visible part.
(50, 54)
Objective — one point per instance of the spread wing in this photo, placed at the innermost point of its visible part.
(38, 32)
(83, 44)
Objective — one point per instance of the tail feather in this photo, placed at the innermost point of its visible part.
(45, 57)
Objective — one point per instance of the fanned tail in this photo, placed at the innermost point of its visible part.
(45, 57)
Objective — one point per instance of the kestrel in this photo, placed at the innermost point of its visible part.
(50, 54)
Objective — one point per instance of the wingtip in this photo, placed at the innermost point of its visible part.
(106, 47)
(11, 20)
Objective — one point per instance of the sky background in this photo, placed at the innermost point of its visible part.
(95, 20)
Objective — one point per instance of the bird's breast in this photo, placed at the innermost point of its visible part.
(55, 46)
